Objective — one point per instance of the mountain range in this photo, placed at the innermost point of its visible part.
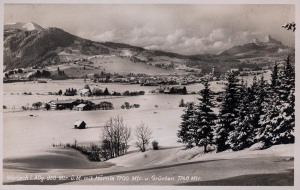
(28, 44)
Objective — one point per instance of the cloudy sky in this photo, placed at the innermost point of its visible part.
(185, 29)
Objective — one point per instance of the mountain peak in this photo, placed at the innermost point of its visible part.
(269, 39)
(31, 26)
(22, 26)
(266, 40)
(256, 41)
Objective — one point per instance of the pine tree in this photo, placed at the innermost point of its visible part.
(278, 122)
(228, 113)
(284, 131)
(187, 124)
(181, 103)
(205, 119)
(260, 92)
(106, 92)
(275, 82)
(242, 136)
(287, 80)
(269, 120)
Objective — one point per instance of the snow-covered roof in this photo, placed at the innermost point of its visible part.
(83, 91)
(78, 122)
(80, 105)
(62, 101)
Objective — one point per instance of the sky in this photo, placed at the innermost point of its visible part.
(184, 29)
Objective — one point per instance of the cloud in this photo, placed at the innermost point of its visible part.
(219, 34)
(179, 41)
(106, 36)
(176, 37)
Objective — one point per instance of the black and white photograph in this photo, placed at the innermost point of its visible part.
(142, 94)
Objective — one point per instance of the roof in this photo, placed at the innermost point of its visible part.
(167, 90)
(80, 105)
(79, 122)
(83, 91)
(178, 87)
(62, 101)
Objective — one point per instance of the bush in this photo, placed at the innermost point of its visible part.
(155, 145)
(136, 105)
(4, 107)
(105, 105)
(37, 105)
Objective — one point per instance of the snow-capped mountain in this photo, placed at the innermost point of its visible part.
(265, 46)
(29, 26)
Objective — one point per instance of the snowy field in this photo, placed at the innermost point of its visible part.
(13, 97)
(25, 135)
(28, 140)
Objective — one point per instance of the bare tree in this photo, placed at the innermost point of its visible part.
(143, 135)
(115, 136)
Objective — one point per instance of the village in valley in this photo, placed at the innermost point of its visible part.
(111, 113)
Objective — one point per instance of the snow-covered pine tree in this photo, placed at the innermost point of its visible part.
(269, 120)
(242, 136)
(284, 132)
(275, 81)
(205, 118)
(228, 113)
(278, 122)
(287, 80)
(258, 96)
(187, 123)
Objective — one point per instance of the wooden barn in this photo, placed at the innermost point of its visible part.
(61, 104)
(79, 124)
(176, 90)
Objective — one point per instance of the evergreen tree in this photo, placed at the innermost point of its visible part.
(205, 119)
(228, 113)
(278, 122)
(259, 94)
(181, 103)
(106, 92)
(242, 136)
(269, 121)
(287, 80)
(187, 123)
(275, 82)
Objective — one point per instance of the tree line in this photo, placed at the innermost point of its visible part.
(261, 112)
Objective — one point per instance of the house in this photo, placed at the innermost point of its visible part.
(79, 124)
(81, 107)
(85, 92)
(61, 104)
(42, 80)
(167, 90)
(234, 71)
(176, 90)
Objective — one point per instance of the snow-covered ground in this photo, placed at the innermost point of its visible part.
(27, 141)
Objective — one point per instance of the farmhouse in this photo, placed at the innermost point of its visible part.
(61, 104)
(85, 92)
(234, 71)
(175, 90)
(79, 124)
